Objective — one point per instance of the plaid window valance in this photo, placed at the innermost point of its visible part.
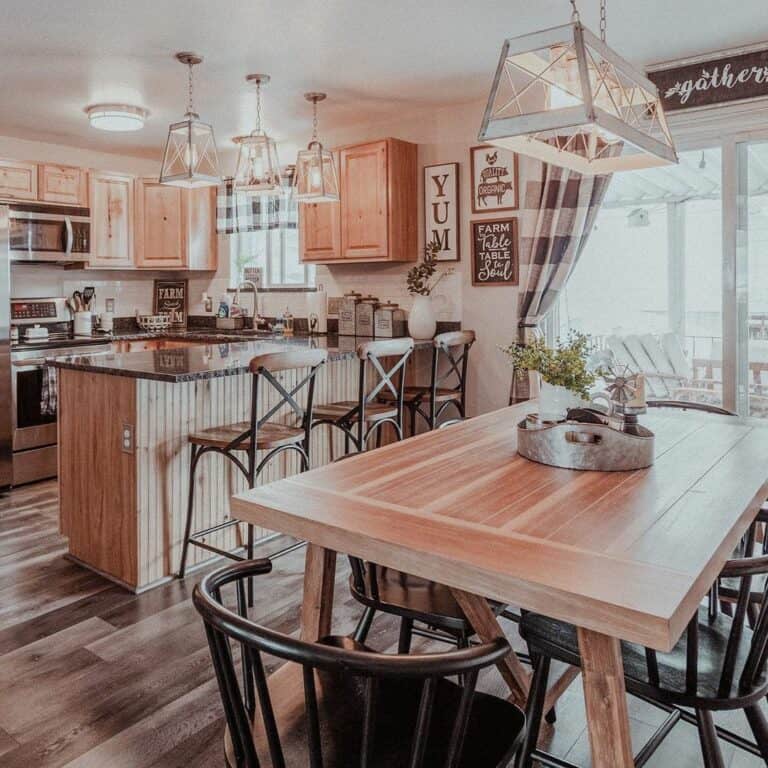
(236, 212)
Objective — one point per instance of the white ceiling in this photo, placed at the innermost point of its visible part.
(375, 58)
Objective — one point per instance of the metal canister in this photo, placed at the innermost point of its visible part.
(364, 315)
(389, 321)
(347, 311)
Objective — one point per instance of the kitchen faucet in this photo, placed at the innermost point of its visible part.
(257, 319)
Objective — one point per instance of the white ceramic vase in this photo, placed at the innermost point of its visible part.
(554, 401)
(421, 319)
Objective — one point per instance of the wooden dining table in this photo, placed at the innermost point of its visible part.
(621, 555)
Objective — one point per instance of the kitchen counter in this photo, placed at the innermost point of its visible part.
(204, 355)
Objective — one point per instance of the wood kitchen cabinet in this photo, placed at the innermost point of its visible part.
(175, 227)
(112, 215)
(18, 181)
(375, 220)
(62, 184)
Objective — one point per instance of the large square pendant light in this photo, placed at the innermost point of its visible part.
(258, 168)
(315, 179)
(563, 96)
(190, 158)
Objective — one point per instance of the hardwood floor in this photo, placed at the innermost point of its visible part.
(92, 676)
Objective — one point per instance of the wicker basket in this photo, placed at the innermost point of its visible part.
(153, 322)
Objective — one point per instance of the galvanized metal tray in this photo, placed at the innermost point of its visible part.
(576, 445)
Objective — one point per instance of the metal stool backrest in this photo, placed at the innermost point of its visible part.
(452, 347)
(371, 355)
(224, 626)
(750, 677)
(682, 405)
(264, 367)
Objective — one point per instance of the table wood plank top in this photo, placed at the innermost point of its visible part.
(626, 554)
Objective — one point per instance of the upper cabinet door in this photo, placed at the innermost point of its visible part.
(62, 184)
(202, 240)
(18, 180)
(364, 192)
(161, 218)
(320, 231)
(111, 220)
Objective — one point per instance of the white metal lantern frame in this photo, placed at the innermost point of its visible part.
(611, 119)
(258, 166)
(190, 158)
(315, 179)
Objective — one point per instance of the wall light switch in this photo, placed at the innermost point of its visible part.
(109, 305)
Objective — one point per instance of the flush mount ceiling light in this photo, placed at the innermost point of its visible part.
(190, 158)
(258, 169)
(315, 179)
(116, 117)
(563, 96)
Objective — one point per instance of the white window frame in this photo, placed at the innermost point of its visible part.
(270, 280)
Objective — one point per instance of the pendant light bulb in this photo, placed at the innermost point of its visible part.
(315, 179)
(190, 159)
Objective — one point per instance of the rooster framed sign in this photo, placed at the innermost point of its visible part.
(494, 176)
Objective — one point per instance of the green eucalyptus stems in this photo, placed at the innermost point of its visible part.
(418, 278)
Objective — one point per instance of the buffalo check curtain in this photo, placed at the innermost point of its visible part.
(559, 213)
(236, 212)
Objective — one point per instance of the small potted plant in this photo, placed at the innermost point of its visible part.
(421, 319)
(565, 371)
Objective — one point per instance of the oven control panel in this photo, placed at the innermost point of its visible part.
(34, 310)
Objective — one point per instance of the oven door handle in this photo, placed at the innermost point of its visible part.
(70, 235)
(37, 362)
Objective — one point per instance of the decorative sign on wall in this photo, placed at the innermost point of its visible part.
(441, 209)
(170, 298)
(494, 179)
(716, 78)
(495, 257)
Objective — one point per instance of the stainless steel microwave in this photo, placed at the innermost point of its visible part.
(49, 233)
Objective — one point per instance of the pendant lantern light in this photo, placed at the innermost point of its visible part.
(190, 158)
(563, 96)
(315, 179)
(258, 169)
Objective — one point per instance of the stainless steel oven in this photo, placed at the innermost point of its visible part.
(49, 233)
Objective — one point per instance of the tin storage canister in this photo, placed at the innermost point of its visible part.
(364, 315)
(347, 312)
(389, 321)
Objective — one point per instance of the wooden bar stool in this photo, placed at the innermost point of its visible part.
(432, 400)
(360, 418)
(258, 434)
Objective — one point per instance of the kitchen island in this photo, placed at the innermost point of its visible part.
(124, 420)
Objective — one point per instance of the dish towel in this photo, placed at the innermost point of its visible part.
(49, 392)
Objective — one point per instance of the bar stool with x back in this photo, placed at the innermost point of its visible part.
(359, 419)
(257, 434)
(431, 400)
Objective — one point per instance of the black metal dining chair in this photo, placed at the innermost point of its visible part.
(446, 388)
(719, 664)
(360, 418)
(259, 434)
(360, 707)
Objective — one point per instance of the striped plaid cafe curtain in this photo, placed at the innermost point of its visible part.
(236, 212)
(556, 222)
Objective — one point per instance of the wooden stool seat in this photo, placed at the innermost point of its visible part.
(415, 394)
(270, 435)
(373, 411)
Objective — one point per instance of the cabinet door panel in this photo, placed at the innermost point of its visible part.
(63, 184)
(112, 219)
(319, 235)
(18, 180)
(364, 221)
(161, 226)
(202, 240)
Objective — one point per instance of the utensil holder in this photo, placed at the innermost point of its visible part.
(83, 324)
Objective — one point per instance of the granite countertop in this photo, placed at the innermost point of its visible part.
(216, 354)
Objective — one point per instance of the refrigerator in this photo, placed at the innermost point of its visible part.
(6, 423)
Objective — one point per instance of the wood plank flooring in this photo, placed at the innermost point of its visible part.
(92, 676)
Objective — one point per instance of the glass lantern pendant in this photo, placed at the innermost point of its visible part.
(258, 168)
(564, 97)
(190, 158)
(315, 179)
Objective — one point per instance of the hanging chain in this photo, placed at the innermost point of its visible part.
(258, 106)
(314, 119)
(575, 13)
(190, 107)
(602, 20)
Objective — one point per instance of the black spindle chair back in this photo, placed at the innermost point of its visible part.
(251, 698)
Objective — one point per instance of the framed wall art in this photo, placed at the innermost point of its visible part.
(495, 179)
(441, 209)
(170, 298)
(495, 253)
